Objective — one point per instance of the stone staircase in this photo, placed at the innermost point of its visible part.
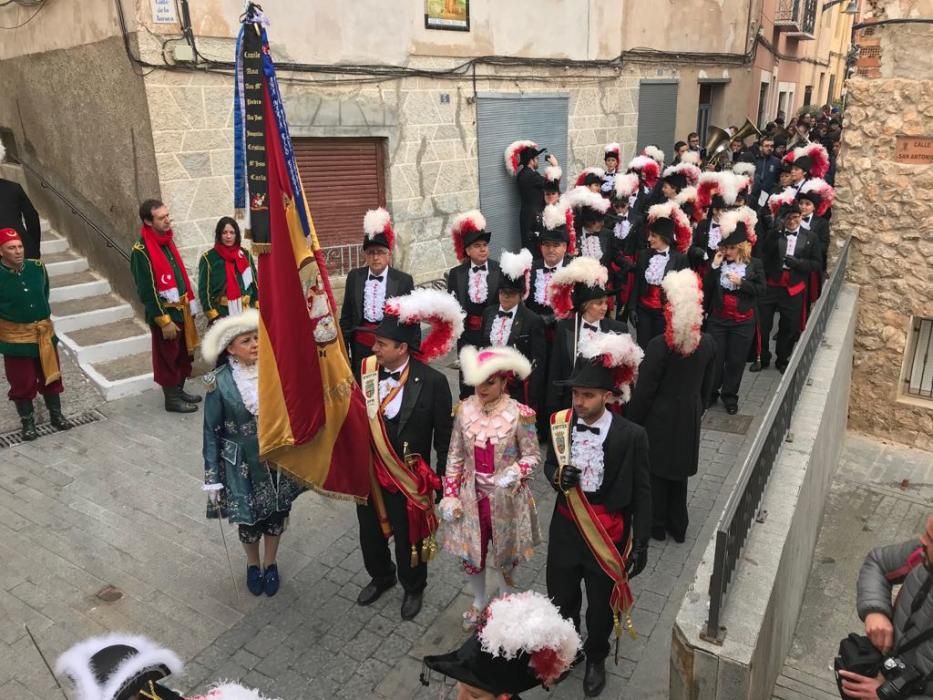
(95, 326)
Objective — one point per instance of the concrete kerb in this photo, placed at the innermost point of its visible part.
(764, 598)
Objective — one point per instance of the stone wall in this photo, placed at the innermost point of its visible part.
(885, 207)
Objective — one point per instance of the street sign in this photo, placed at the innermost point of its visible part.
(915, 150)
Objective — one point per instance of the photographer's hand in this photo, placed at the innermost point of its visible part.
(880, 631)
(860, 687)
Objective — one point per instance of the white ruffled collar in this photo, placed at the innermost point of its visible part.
(494, 424)
(246, 378)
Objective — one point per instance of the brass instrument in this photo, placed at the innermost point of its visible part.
(747, 129)
(718, 140)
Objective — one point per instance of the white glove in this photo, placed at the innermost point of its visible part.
(509, 477)
(451, 508)
(213, 492)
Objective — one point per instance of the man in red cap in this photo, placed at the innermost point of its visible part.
(27, 338)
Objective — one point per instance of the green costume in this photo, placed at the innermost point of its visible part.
(212, 285)
(158, 311)
(24, 299)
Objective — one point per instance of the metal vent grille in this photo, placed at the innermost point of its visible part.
(15, 437)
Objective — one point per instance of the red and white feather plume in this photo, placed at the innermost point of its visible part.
(517, 265)
(619, 353)
(688, 170)
(528, 624)
(561, 214)
(827, 193)
(683, 231)
(581, 270)
(776, 201)
(816, 152)
(581, 196)
(648, 167)
(655, 153)
(598, 172)
(683, 311)
(465, 223)
(552, 173)
(433, 307)
(692, 157)
(378, 221)
(687, 199)
(725, 184)
(612, 149)
(513, 155)
(626, 185)
(730, 219)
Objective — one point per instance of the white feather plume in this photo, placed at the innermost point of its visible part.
(626, 185)
(554, 215)
(617, 350)
(654, 153)
(692, 157)
(580, 197)
(234, 691)
(687, 194)
(612, 148)
(511, 151)
(552, 173)
(375, 221)
(686, 310)
(474, 215)
(746, 169)
(728, 220)
(727, 184)
(581, 270)
(515, 265)
(224, 330)
(479, 364)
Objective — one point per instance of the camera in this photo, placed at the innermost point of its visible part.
(900, 679)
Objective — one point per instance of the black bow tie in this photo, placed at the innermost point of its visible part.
(583, 427)
(386, 374)
(792, 233)
(505, 314)
(550, 269)
(591, 327)
(665, 253)
(372, 277)
(479, 268)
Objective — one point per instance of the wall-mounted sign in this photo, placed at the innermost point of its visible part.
(163, 12)
(916, 150)
(447, 14)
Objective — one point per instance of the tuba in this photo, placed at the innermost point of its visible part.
(747, 130)
(717, 143)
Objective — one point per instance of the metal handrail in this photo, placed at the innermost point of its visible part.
(741, 510)
(46, 185)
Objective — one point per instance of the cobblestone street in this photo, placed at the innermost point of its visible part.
(118, 503)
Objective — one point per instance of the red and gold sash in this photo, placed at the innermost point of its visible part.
(411, 475)
(593, 531)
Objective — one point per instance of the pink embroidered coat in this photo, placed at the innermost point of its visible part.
(510, 428)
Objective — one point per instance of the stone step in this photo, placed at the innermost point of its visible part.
(67, 263)
(77, 285)
(124, 376)
(108, 341)
(76, 314)
(50, 245)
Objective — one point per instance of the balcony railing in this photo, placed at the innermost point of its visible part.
(796, 18)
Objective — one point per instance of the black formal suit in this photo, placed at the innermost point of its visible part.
(700, 252)
(424, 420)
(531, 203)
(668, 400)
(398, 283)
(625, 489)
(650, 322)
(733, 338)
(543, 310)
(527, 336)
(458, 280)
(563, 359)
(605, 243)
(786, 300)
(17, 212)
(820, 228)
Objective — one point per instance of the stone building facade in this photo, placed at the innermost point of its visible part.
(884, 206)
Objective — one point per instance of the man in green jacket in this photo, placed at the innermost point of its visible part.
(170, 303)
(27, 338)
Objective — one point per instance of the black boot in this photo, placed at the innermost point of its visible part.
(28, 418)
(174, 403)
(53, 402)
(594, 679)
(190, 398)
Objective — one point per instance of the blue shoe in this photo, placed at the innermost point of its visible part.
(271, 581)
(254, 580)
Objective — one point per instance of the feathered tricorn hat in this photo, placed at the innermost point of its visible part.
(690, 172)
(523, 642)
(585, 202)
(687, 200)
(590, 176)
(433, 307)
(724, 185)
(746, 169)
(781, 199)
(647, 167)
(377, 229)
(626, 185)
(466, 229)
(692, 157)
(580, 281)
(612, 150)
(558, 225)
(655, 153)
(683, 232)
(102, 668)
(820, 192)
(516, 269)
(479, 364)
(552, 175)
(737, 225)
(683, 311)
(813, 158)
(518, 153)
(609, 361)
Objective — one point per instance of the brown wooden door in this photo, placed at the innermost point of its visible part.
(342, 179)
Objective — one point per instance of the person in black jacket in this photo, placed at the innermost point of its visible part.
(522, 163)
(594, 240)
(512, 324)
(731, 288)
(789, 255)
(706, 238)
(416, 410)
(475, 281)
(368, 287)
(673, 388)
(18, 213)
(645, 308)
(606, 456)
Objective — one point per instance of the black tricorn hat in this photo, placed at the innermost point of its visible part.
(787, 209)
(495, 674)
(590, 374)
(557, 235)
(591, 179)
(663, 227)
(718, 202)
(676, 180)
(391, 328)
(812, 197)
(528, 153)
(739, 235)
(804, 163)
(582, 293)
(552, 185)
